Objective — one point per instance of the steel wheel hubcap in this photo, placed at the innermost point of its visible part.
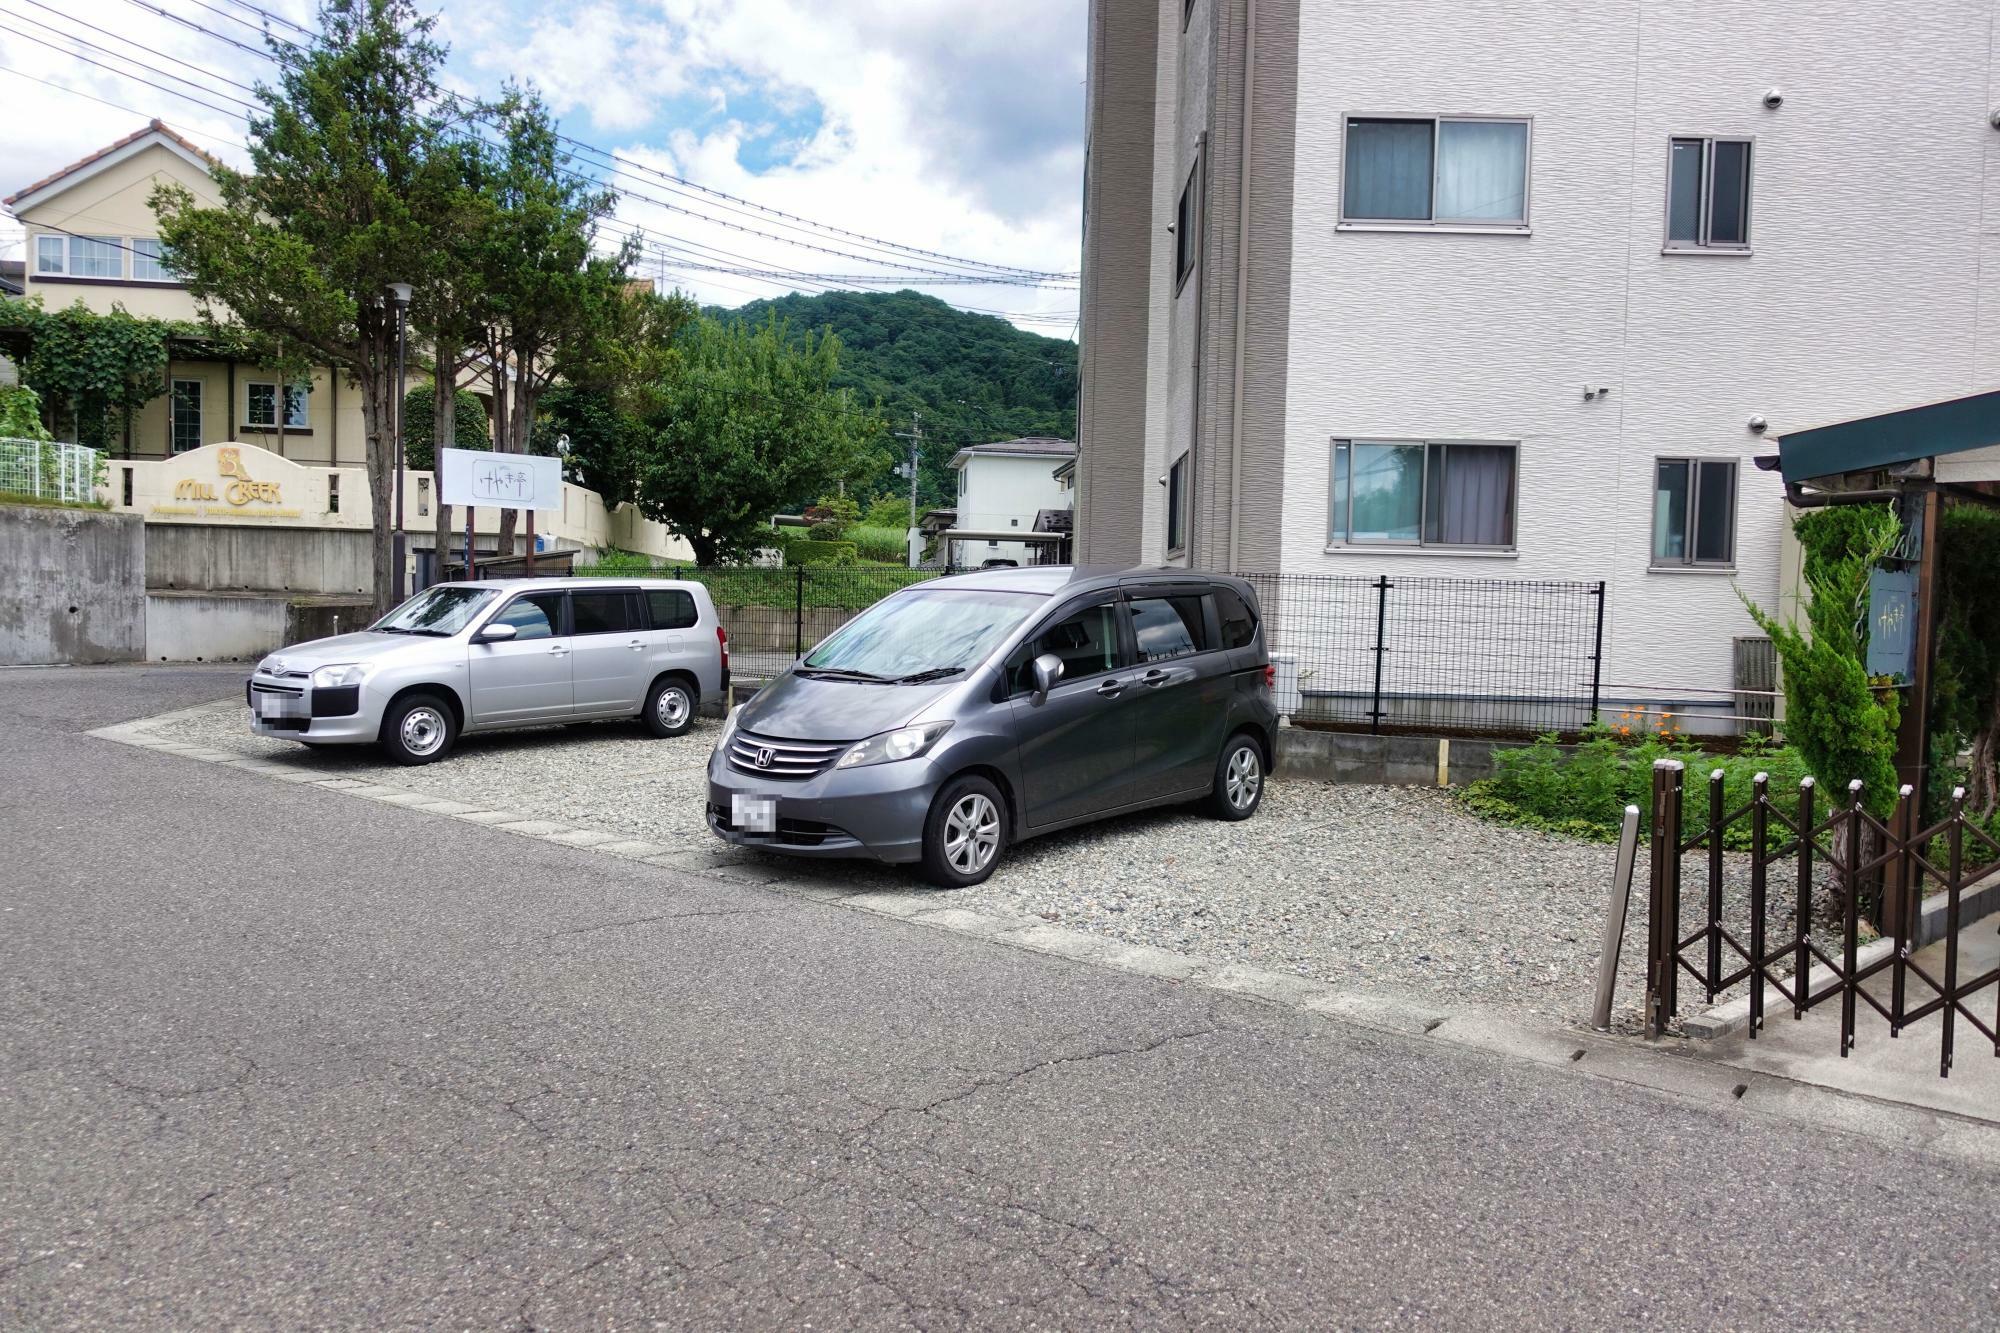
(673, 706)
(1244, 777)
(423, 731)
(971, 834)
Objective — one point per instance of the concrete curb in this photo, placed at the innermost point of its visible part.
(1653, 1066)
(1726, 1019)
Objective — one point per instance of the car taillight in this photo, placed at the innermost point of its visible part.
(722, 642)
(1270, 676)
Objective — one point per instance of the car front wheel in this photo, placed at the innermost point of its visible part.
(1239, 780)
(419, 729)
(964, 834)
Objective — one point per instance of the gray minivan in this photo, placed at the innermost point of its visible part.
(966, 713)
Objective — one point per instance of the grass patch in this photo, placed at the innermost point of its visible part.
(43, 502)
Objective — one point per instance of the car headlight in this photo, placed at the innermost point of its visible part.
(333, 677)
(728, 728)
(890, 746)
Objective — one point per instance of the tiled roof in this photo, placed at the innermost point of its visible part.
(151, 127)
(1032, 444)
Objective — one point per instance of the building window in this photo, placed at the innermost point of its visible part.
(1708, 194)
(423, 497)
(260, 406)
(49, 251)
(1436, 171)
(333, 492)
(1423, 493)
(1177, 506)
(95, 257)
(186, 409)
(147, 266)
(1694, 512)
(1185, 226)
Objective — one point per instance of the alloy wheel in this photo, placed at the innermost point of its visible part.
(1244, 776)
(971, 834)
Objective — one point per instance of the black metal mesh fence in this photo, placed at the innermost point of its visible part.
(1435, 654)
(1411, 654)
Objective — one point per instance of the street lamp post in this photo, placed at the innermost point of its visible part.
(399, 292)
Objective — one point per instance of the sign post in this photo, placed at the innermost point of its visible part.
(481, 477)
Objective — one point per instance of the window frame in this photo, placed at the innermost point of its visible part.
(1177, 504)
(115, 244)
(1705, 199)
(1688, 563)
(61, 268)
(1524, 227)
(1204, 641)
(636, 618)
(163, 275)
(653, 621)
(1336, 443)
(559, 626)
(1121, 624)
(174, 387)
(1187, 226)
(280, 405)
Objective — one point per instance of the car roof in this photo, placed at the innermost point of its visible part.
(1060, 579)
(578, 581)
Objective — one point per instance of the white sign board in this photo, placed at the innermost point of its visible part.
(500, 481)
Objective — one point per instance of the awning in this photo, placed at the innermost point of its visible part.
(1870, 444)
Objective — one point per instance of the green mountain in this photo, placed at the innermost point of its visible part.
(972, 378)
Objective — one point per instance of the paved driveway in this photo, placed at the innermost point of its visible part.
(272, 1056)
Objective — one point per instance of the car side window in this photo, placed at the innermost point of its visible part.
(1168, 627)
(601, 612)
(1239, 622)
(534, 616)
(672, 608)
(1086, 640)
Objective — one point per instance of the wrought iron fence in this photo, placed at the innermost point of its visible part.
(1950, 856)
(1436, 654)
(48, 470)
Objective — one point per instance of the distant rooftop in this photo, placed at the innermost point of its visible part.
(1028, 446)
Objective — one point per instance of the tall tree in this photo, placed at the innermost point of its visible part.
(347, 191)
(549, 295)
(743, 422)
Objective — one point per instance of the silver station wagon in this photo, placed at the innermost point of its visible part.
(484, 656)
(967, 713)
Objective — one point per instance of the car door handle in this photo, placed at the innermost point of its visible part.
(636, 646)
(1111, 689)
(1156, 678)
(558, 651)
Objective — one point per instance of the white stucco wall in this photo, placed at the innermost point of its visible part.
(1863, 292)
(1001, 493)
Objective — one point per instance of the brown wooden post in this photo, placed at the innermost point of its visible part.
(1900, 891)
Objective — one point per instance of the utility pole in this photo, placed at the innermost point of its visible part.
(915, 435)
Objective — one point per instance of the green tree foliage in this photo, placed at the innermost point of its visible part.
(829, 519)
(348, 190)
(92, 371)
(972, 377)
(468, 425)
(741, 422)
(890, 511)
(1966, 698)
(21, 414)
(1843, 726)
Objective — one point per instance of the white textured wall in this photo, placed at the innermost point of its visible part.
(1187, 121)
(1006, 493)
(1863, 294)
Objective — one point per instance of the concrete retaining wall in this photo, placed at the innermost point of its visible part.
(72, 586)
(241, 627)
(215, 557)
(1343, 756)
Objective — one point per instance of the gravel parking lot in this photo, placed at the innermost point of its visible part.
(1388, 889)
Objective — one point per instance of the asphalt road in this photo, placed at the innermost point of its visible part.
(275, 1057)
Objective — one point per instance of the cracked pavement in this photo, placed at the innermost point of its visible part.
(273, 1058)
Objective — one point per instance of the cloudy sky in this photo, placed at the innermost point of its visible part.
(929, 125)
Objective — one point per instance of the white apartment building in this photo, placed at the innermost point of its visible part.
(1496, 291)
(1005, 487)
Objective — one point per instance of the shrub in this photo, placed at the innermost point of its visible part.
(889, 545)
(829, 520)
(811, 552)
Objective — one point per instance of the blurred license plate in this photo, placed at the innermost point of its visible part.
(753, 814)
(278, 705)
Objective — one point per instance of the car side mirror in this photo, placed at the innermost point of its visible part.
(1048, 669)
(495, 634)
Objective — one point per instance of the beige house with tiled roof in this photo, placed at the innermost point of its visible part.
(93, 240)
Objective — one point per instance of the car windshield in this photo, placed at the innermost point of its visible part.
(441, 611)
(929, 632)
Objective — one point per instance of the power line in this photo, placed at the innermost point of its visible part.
(117, 37)
(123, 74)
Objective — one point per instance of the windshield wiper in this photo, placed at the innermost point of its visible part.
(842, 673)
(935, 673)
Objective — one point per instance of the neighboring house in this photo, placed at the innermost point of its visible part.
(13, 277)
(1001, 489)
(93, 241)
(1514, 292)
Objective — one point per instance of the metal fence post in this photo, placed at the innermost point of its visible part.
(1663, 905)
(1614, 919)
(799, 613)
(1382, 586)
(1597, 660)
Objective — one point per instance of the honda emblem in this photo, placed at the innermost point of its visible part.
(764, 757)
